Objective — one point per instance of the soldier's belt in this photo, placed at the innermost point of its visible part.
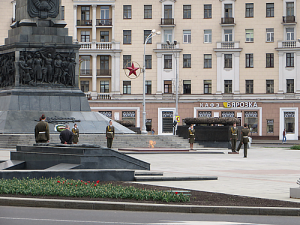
(42, 132)
(109, 132)
(245, 136)
(234, 134)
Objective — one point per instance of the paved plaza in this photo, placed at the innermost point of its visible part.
(266, 173)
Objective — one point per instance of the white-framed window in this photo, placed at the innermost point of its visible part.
(187, 36)
(270, 34)
(228, 35)
(249, 35)
(168, 36)
(290, 35)
(207, 36)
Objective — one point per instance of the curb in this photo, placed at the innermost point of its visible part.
(129, 206)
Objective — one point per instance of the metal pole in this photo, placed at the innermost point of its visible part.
(176, 88)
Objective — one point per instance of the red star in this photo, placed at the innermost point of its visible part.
(132, 70)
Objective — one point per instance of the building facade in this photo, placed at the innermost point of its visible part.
(227, 58)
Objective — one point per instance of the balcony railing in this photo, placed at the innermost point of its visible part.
(104, 96)
(85, 72)
(84, 22)
(85, 45)
(228, 45)
(104, 22)
(166, 46)
(104, 72)
(227, 20)
(167, 21)
(99, 45)
(288, 44)
(103, 45)
(288, 19)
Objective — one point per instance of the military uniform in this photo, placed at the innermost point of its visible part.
(76, 135)
(191, 136)
(110, 134)
(233, 138)
(42, 132)
(244, 140)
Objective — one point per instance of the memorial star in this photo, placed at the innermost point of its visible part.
(132, 70)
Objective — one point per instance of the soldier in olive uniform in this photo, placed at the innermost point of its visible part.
(233, 137)
(191, 136)
(75, 131)
(110, 134)
(244, 139)
(42, 131)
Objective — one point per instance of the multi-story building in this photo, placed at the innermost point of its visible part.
(230, 58)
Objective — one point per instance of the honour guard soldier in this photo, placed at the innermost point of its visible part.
(41, 131)
(233, 137)
(110, 134)
(244, 139)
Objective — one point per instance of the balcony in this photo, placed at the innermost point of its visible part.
(104, 72)
(103, 96)
(167, 22)
(165, 46)
(85, 72)
(104, 22)
(227, 21)
(84, 22)
(288, 44)
(288, 20)
(99, 45)
(230, 46)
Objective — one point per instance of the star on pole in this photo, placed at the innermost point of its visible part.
(132, 70)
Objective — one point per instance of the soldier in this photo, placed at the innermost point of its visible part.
(110, 134)
(191, 136)
(244, 139)
(233, 137)
(42, 131)
(75, 131)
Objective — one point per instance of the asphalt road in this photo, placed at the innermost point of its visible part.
(46, 216)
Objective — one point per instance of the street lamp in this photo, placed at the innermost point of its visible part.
(151, 35)
(176, 77)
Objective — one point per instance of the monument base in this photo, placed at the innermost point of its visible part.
(295, 193)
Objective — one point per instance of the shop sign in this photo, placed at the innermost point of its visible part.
(230, 105)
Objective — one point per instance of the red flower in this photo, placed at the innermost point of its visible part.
(97, 181)
(85, 183)
(76, 185)
(95, 185)
(89, 182)
(176, 193)
(81, 181)
(58, 181)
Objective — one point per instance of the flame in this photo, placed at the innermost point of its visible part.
(152, 143)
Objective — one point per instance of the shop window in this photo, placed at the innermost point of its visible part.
(251, 118)
(270, 126)
(289, 122)
(227, 114)
(148, 124)
(128, 116)
(206, 114)
(106, 113)
(167, 121)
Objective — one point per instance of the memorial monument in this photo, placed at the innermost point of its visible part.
(39, 71)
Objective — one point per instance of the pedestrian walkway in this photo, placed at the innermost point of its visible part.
(266, 173)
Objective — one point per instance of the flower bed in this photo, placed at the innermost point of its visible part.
(78, 188)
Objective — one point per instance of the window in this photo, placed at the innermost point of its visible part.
(228, 10)
(249, 35)
(84, 85)
(251, 118)
(249, 10)
(207, 11)
(207, 86)
(270, 34)
(186, 87)
(207, 36)
(269, 86)
(290, 86)
(187, 36)
(126, 36)
(85, 36)
(186, 60)
(104, 65)
(147, 11)
(104, 36)
(85, 13)
(106, 113)
(290, 8)
(126, 61)
(85, 66)
(168, 36)
(168, 12)
(249, 60)
(289, 34)
(269, 60)
(207, 61)
(167, 86)
(289, 59)
(289, 122)
(104, 86)
(104, 15)
(270, 10)
(249, 86)
(146, 34)
(227, 114)
(187, 12)
(148, 124)
(228, 35)
(167, 61)
(126, 11)
(148, 87)
(148, 61)
(126, 87)
(227, 86)
(227, 60)
(128, 116)
(270, 126)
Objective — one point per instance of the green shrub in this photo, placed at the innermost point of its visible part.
(78, 188)
(296, 147)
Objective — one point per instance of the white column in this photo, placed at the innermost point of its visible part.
(75, 23)
(112, 79)
(14, 10)
(117, 73)
(297, 77)
(281, 82)
(219, 73)
(236, 75)
(113, 23)
(94, 34)
(94, 77)
(159, 74)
